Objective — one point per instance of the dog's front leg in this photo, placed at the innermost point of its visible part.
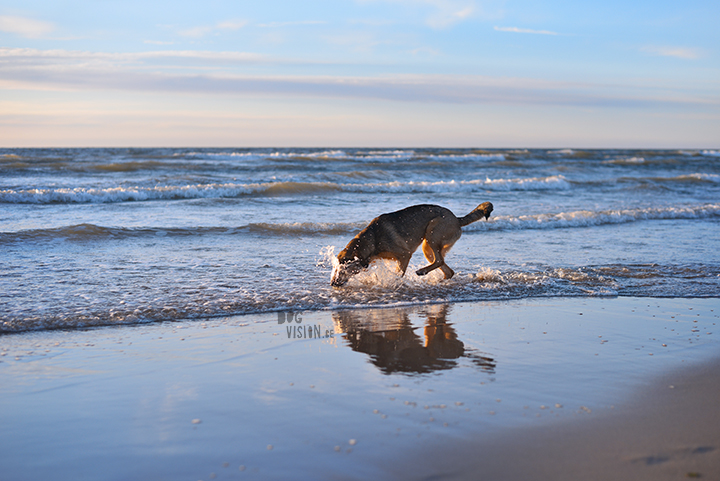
(403, 262)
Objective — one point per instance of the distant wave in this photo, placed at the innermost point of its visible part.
(231, 190)
(699, 177)
(234, 190)
(358, 156)
(685, 178)
(586, 218)
(626, 160)
(562, 220)
(91, 232)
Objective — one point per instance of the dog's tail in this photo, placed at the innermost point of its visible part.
(483, 210)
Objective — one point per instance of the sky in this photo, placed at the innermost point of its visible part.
(360, 73)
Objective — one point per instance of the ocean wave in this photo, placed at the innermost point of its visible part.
(393, 155)
(714, 178)
(92, 232)
(378, 286)
(232, 190)
(586, 218)
(562, 220)
(626, 160)
(573, 153)
(684, 178)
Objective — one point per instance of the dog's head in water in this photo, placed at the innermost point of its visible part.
(354, 258)
(345, 270)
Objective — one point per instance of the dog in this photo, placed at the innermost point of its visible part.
(397, 236)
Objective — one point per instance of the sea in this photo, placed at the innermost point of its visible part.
(118, 236)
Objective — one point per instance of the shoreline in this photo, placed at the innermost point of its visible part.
(334, 308)
(442, 391)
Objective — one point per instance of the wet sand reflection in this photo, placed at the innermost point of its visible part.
(390, 339)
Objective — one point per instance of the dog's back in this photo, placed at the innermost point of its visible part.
(406, 228)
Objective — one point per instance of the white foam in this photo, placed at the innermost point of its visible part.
(703, 177)
(555, 182)
(627, 160)
(231, 190)
(586, 218)
(359, 156)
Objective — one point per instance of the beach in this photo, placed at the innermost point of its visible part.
(667, 431)
(555, 388)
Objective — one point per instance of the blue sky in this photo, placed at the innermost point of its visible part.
(446, 73)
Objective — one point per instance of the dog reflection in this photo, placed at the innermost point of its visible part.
(390, 339)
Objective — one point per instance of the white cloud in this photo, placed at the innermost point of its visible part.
(444, 13)
(136, 72)
(449, 12)
(677, 52)
(525, 30)
(25, 27)
(203, 30)
(39, 59)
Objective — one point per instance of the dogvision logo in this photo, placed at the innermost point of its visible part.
(297, 330)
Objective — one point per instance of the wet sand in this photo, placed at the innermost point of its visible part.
(532, 389)
(667, 431)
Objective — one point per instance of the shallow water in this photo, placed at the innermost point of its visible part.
(121, 236)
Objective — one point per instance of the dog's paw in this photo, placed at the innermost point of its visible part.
(421, 272)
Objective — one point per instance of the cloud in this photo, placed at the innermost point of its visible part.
(73, 70)
(25, 27)
(677, 52)
(46, 60)
(203, 30)
(525, 30)
(449, 12)
(444, 13)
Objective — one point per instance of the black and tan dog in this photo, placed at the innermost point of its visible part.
(397, 235)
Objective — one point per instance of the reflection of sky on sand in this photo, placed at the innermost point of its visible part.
(394, 380)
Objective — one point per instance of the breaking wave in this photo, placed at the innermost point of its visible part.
(233, 190)
(392, 155)
(380, 285)
(561, 220)
(586, 218)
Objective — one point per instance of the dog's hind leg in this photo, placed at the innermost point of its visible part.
(439, 238)
(427, 250)
(434, 255)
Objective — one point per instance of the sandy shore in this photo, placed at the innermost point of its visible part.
(667, 431)
(531, 389)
